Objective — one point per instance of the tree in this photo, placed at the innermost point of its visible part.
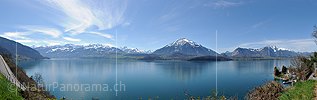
(302, 67)
(37, 77)
(276, 71)
(284, 69)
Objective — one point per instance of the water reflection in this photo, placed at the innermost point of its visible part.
(183, 70)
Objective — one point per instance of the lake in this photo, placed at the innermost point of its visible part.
(87, 78)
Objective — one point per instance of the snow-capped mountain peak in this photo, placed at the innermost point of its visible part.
(185, 47)
(134, 50)
(96, 46)
(183, 41)
(284, 49)
(275, 48)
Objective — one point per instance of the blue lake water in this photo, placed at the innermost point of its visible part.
(155, 79)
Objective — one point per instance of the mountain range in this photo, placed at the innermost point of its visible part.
(91, 50)
(265, 52)
(72, 51)
(182, 48)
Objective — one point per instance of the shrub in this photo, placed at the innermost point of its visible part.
(268, 91)
(302, 68)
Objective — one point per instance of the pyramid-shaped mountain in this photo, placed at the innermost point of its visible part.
(185, 46)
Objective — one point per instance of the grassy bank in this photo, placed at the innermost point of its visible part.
(300, 91)
(8, 91)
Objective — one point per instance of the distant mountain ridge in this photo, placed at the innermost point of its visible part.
(91, 50)
(268, 51)
(23, 52)
(72, 51)
(135, 50)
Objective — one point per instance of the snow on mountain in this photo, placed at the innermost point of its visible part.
(268, 51)
(90, 50)
(183, 41)
(134, 50)
(185, 46)
(71, 50)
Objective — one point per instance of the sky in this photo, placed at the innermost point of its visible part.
(152, 24)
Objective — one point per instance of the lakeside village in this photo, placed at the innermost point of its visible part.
(299, 81)
(301, 69)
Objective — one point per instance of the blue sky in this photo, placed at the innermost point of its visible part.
(151, 24)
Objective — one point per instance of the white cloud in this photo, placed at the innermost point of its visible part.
(296, 44)
(71, 39)
(109, 36)
(29, 30)
(48, 42)
(52, 43)
(24, 41)
(14, 35)
(77, 16)
(222, 4)
(83, 14)
(42, 30)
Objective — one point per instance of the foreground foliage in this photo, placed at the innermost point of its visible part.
(212, 96)
(268, 91)
(8, 91)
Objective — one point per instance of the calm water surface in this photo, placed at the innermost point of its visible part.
(159, 79)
